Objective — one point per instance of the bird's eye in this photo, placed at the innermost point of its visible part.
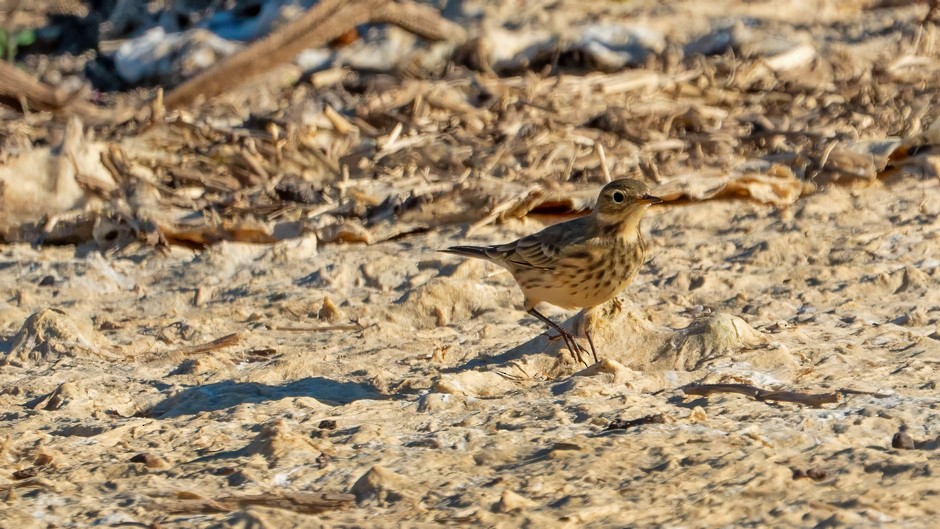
(618, 196)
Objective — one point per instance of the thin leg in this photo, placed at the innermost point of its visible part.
(572, 344)
(591, 343)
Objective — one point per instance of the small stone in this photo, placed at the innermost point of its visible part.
(25, 473)
(510, 501)
(149, 460)
(815, 473)
(202, 295)
(43, 459)
(623, 424)
(902, 441)
(239, 478)
(432, 402)
(382, 485)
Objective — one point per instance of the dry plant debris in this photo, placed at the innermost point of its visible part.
(807, 399)
(297, 352)
(367, 149)
(306, 503)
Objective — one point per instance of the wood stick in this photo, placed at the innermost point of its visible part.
(16, 87)
(302, 502)
(326, 21)
(315, 328)
(423, 21)
(807, 399)
(219, 343)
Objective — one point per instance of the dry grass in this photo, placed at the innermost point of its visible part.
(346, 154)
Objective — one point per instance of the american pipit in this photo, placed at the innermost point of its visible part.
(580, 263)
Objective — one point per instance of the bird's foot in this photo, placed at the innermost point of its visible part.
(576, 349)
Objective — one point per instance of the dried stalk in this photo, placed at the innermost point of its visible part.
(18, 88)
(326, 21)
(302, 502)
(815, 400)
(219, 343)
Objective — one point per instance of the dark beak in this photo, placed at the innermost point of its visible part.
(649, 199)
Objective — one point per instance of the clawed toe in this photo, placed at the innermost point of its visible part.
(583, 351)
(577, 350)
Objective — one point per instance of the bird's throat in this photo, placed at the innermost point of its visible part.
(625, 225)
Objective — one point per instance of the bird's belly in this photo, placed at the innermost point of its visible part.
(565, 299)
(573, 294)
(593, 277)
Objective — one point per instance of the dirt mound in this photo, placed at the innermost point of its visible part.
(281, 444)
(50, 335)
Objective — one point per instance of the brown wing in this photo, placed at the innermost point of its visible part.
(543, 249)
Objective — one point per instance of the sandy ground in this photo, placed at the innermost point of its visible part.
(424, 389)
(310, 383)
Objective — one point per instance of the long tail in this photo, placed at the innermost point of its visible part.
(480, 252)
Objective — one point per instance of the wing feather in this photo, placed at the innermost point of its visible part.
(543, 249)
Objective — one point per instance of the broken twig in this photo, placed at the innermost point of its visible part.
(302, 502)
(815, 400)
(326, 21)
(219, 343)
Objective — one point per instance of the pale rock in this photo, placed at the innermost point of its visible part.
(511, 501)
(382, 486)
(474, 384)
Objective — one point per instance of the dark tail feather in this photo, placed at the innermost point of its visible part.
(469, 251)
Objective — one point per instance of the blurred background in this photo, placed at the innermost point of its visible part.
(263, 112)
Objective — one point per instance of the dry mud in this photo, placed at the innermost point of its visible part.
(310, 382)
(417, 383)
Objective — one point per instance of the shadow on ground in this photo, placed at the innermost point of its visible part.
(222, 395)
(538, 345)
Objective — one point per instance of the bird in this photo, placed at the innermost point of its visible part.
(580, 263)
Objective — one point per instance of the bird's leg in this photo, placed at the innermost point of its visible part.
(587, 333)
(584, 325)
(572, 344)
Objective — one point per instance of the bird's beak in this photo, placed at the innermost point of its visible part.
(649, 199)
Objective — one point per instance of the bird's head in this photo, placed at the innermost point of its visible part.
(623, 198)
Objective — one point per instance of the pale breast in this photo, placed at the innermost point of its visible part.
(587, 278)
